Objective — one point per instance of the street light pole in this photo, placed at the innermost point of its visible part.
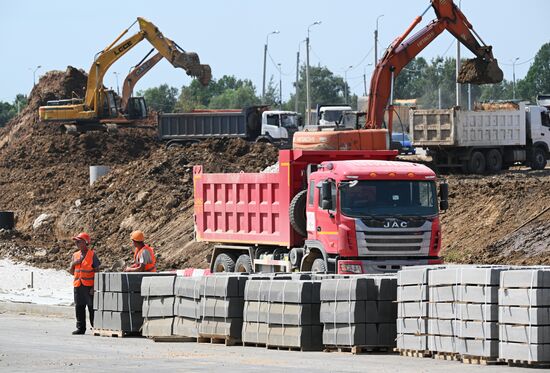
(308, 98)
(34, 75)
(280, 87)
(265, 59)
(117, 87)
(346, 83)
(376, 40)
(514, 77)
(365, 80)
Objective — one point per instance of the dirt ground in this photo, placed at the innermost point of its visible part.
(44, 178)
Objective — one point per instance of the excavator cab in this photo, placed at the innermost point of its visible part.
(137, 108)
(109, 108)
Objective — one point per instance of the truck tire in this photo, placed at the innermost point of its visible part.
(538, 159)
(494, 161)
(319, 266)
(224, 263)
(297, 212)
(476, 164)
(243, 264)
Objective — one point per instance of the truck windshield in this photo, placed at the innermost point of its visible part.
(388, 198)
(289, 120)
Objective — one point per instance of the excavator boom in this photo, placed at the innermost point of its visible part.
(134, 76)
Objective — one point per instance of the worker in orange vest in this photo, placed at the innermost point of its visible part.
(83, 266)
(144, 256)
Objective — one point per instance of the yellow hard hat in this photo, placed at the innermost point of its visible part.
(137, 236)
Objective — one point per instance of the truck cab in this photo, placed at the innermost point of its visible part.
(369, 216)
(279, 125)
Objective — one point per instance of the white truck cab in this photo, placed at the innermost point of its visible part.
(331, 115)
(279, 125)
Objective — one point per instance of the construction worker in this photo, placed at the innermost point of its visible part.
(144, 256)
(83, 266)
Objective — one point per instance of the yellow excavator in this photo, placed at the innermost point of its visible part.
(100, 106)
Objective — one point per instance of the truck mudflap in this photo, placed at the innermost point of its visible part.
(370, 266)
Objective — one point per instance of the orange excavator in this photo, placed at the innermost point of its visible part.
(483, 69)
(138, 71)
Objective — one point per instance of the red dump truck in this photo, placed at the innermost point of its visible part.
(322, 211)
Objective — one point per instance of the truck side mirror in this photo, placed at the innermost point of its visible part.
(326, 196)
(443, 196)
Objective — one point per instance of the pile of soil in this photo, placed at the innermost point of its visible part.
(44, 178)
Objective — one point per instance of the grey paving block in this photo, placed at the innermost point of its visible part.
(293, 314)
(448, 310)
(441, 343)
(158, 307)
(188, 287)
(411, 293)
(129, 281)
(98, 281)
(387, 286)
(257, 290)
(98, 299)
(443, 293)
(255, 312)
(486, 275)
(186, 327)
(158, 286)
(222, 307)
(478, 347)
(524, 315)
(131, 302)
(306, 337)
(525, 334)
(220, 327)
(526, 278)
(442, 327)
(229, 285)
(412, 309)
(524, 297)
(412, 342)
(254, 332)
(445, 276)
(349, 289)
(415, 275)
(292, 291)
(344, 335)
(478, 294)
(162, 327)
(120, 321)
(353, 312)
(98, 320)
(524, 352)
(381, 312)
(412, 326)
(477, 329)
(382, 335)
(187, 307)
(478, 312)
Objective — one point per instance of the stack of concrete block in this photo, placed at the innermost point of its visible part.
(158, 306)
(118, 301)
(187, 306)
(524, 316)
(412, 308)
(221, 308)
(359, 311)
(293, 314)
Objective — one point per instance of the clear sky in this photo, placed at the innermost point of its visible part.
(230, 35)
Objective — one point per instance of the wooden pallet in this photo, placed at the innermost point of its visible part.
(413, 353)
(250, 344)
(174, 338)
(219, 339)
(361, 349)
(291, 348)
(114, 333)
(481, 360)
(451, 356)
(527, 364)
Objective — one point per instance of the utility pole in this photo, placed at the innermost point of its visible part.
(346, 83)
(265, 60)
(376, 40)
(308, 98)
(364, 83)
(280, 87)
(514, 77)
(34, 75)
(297, 79)
(439, 98)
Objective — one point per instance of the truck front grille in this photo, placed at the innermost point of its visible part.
(393, 241)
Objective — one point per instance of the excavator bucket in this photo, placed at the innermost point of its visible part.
(479, 71)
(190, 62)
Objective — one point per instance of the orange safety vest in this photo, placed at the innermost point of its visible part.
(151, 267)
(84, 272)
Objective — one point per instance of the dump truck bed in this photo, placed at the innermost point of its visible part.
(458, 128)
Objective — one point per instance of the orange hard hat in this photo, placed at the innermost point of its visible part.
(83, 236)
(137, 236)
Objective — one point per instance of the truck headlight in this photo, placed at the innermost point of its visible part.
(350, 268)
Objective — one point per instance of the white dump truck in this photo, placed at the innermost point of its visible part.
(485, 140)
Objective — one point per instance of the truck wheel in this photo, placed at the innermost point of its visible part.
(224, 263)
(319, 266)
(494, 161)
(297, 212)
(538, 159)
(476, 164)
(243, 264)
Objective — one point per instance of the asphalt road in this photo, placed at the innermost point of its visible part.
(31, 343)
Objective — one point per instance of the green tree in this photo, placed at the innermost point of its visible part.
(8, 111)
(162, 98)
(537, 80)
(410, 81)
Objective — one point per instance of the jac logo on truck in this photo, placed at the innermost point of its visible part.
(395, 224)
(122, 48)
